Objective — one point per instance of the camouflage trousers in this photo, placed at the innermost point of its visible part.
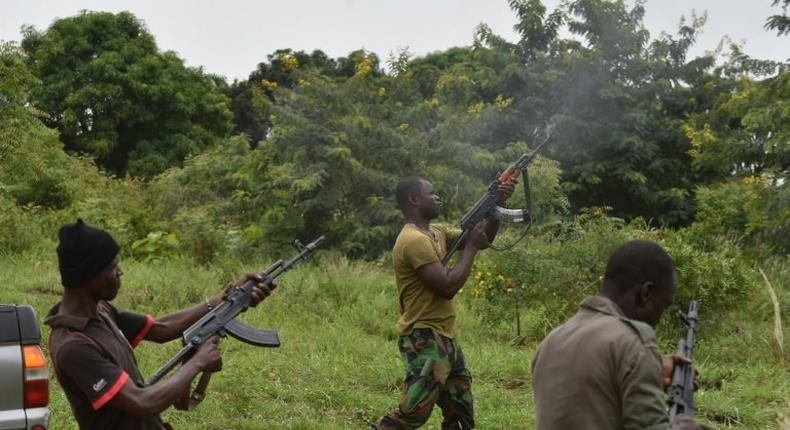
(435, 374)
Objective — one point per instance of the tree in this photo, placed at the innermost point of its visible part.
(780, 23)
(252, 99)
(113, 95)
(746, 133)
(32, 170)
(332, 162)
(616, 98)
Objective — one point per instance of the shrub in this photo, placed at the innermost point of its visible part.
(752, 210)
(542, 282)
(199, 233)
(156, 245)
(17, 233)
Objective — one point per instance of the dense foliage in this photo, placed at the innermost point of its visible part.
(635, 124)
(111, 94)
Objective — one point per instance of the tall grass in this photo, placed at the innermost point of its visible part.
(338, 367)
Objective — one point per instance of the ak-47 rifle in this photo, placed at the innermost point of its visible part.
(221, 321)
(681, 392)
(488, 205)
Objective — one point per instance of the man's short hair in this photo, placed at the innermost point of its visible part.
(406, 186)
(636, 262)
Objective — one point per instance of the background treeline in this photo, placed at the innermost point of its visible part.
(183, 167)
(98, 122)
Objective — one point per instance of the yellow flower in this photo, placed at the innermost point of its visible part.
(290, 63)
(364, 67)
(268, 85)
(382, 91)
(442, 82)
(502, 102)
(699, 139)
(476, 108)
(755, 180)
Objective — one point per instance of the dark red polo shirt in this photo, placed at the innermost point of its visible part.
(93, 359)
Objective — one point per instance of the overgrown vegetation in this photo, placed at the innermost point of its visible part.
(338, 367)
(199, 180)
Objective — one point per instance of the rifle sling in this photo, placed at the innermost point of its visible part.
(187, 402)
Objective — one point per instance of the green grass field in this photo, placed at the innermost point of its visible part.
(338, 366)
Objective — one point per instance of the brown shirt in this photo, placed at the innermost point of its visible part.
(599, 370)
(419, 306)
(93, 359)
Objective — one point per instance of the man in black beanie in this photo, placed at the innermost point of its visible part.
(91, 342)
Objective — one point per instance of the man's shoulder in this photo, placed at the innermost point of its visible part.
(605, 318)
(69, 346)
(408, 231)
(624, 332)
(445, 230)
(643, 331)
(609, 331)
(440, 228)
(628, 329)
(409, 236)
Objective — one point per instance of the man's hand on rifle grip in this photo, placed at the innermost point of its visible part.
(208, 358)
(478, 239)
(506, 188)
(262, 288)
(669, 364)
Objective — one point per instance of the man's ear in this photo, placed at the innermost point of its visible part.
(645, 293)
(412, 199)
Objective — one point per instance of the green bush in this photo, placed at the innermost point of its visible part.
(202, 237)
(542, 281)
(34, 170)
(56, 188)
(719, 278)
(753, 211)
(18, 233)
(156, 246)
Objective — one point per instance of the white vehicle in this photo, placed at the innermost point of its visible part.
(24, 395)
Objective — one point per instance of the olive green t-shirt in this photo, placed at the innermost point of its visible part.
(419, 306)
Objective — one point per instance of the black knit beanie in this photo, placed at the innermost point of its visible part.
(83, 252)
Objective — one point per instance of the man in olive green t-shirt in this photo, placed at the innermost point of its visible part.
(435, 369)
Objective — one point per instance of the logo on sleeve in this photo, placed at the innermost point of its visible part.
(99, 385)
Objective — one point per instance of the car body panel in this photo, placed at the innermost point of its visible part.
(18, 327)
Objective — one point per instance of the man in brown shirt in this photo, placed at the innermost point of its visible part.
(91, 342)
(602, 368)
(436, 371)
